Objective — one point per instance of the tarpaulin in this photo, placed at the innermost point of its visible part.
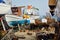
(1, 1)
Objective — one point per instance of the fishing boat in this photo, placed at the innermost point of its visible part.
(25, 18)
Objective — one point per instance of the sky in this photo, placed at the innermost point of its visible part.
(42, 5)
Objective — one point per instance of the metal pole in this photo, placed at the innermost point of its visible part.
(19, 27)
(3, 25)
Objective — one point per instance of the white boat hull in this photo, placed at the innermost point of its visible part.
(13, 18)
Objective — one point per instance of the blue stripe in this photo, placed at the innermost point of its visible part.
(15, 23)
